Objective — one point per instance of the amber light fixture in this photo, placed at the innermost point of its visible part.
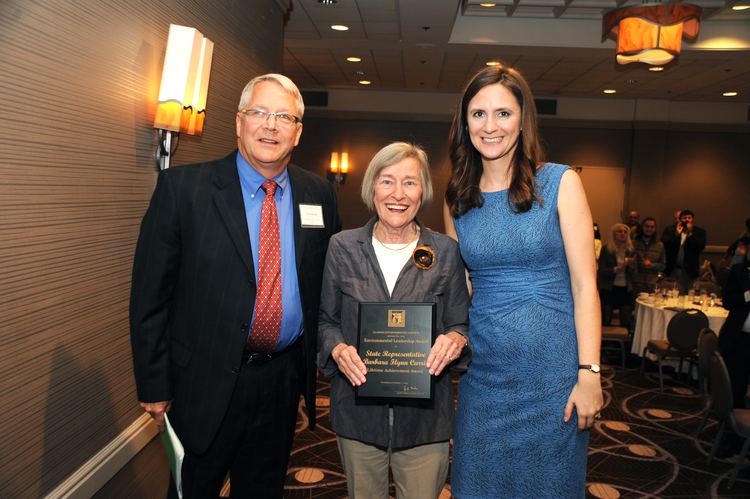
(338, 170)
(651, 33)
(184, 86)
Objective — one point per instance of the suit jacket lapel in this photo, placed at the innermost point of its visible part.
(228, 199)
(299, 195)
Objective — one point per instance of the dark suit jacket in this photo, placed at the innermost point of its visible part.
(193, 290)
(693, 247)
(733, 299)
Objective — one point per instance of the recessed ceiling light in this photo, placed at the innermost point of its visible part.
(730, 94)
(339, 27)
(364, 82)
(609, 91)
(740, 7)
(487, 4)
(354, 59)
(656, 69)
(492, 63)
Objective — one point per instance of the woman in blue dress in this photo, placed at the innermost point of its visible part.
(533, 388)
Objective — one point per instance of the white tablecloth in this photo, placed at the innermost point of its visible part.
(651, 322)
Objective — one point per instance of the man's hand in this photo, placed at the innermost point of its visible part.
(157, 411)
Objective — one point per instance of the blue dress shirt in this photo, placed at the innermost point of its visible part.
(253, 195)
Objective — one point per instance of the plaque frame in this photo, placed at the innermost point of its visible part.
(398, 328)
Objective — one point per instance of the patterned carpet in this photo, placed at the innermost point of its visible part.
(644, 446)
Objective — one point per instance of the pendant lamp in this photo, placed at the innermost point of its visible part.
(651, 33)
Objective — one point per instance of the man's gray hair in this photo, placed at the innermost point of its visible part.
(287, 84)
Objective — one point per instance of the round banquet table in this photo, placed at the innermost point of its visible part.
(651, 321)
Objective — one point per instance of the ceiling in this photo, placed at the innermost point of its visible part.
(436, 45)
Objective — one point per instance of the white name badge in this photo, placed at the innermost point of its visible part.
(311, 216)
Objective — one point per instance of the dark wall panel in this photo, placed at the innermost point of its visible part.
(362, 139)
(668, 169)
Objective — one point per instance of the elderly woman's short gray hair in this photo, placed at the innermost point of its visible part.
(287, 84)
(390, 155)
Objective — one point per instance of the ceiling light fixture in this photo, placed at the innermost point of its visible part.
(656, 69)
(492, 63)
(651, 33)
(487, 4)
(339, 27)
(328, 2)
(364, 82)
(740, 7)
(609, 91)
(354, 59)
(730, 94)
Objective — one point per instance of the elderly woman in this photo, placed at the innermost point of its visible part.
(615, 276)
(377, 263)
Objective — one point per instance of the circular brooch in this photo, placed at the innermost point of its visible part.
(424, 257)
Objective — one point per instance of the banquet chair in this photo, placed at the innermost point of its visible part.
(707, 344)
(619, 335)
(681, 342)
(721, 401)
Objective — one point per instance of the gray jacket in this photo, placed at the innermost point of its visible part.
(352, 275)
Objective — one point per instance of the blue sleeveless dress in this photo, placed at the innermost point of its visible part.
(510, 439)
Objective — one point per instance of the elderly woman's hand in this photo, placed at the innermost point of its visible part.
(349, 363)
(446, 349)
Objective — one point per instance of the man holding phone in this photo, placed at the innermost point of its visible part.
(683, 248)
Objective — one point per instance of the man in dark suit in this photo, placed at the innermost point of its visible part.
(734, 340)
(225, 296)
(683, 249)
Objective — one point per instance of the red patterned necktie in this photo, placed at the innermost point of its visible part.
(267, 322)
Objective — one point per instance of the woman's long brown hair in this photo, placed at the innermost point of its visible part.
(463, 192)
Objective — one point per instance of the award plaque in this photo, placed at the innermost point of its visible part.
(394, 341)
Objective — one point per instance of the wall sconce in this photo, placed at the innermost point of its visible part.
(651, 33)
(184, 86)
(337, 172)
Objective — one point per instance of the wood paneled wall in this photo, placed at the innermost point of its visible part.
(79, 81)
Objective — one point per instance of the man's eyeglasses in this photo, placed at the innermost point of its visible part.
(260, 116)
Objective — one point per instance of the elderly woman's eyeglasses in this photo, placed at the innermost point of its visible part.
(260, 116)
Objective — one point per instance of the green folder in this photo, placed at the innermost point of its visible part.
(175, 453)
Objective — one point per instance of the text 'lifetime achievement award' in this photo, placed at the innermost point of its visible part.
(394, 342)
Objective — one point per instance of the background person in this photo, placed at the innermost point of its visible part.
(671, 230)
(615, 276)
(223, 314)
(650, 257)
(634, 223)
(597, 241)
(734, 340)
(524, 229)
(683, 250)
(375, 263)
